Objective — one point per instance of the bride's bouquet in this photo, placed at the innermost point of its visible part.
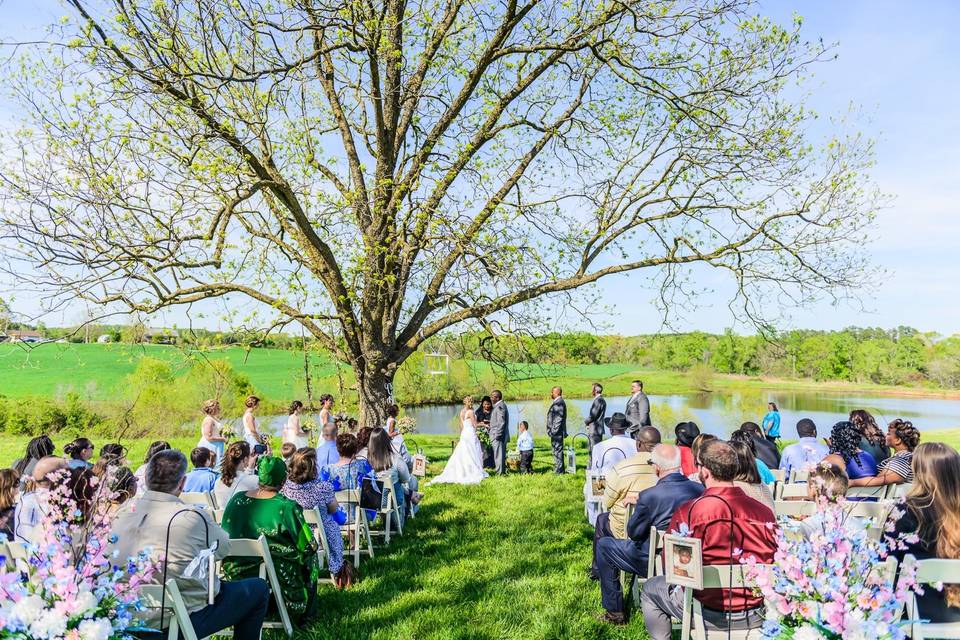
(228, 432)
(483, 435)
(406, 425)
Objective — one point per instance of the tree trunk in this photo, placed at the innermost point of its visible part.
(372, 386)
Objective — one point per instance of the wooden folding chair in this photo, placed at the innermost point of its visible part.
(248, 548)
(722, 576)
(315, 520)
(202, 499)
(152, 597)
(357, 526)
(929, 573)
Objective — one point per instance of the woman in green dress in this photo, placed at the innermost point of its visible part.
(265, 511)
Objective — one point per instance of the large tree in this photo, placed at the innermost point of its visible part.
(380, 171)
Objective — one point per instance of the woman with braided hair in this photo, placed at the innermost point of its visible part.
(903, 438)
(845, 452)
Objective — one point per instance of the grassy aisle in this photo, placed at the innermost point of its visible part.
(505, 559)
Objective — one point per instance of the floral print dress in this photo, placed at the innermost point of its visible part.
(317, 494)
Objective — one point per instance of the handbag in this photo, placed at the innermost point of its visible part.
(371, 494)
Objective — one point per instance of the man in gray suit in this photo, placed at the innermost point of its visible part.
(594, 420)
(557, 427)
(638, 406)
(499, 431)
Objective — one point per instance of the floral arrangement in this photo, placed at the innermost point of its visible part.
(830, 584)
(228, 432)
(73, 588)
(308, 426)
(406, 425)
(483, 435)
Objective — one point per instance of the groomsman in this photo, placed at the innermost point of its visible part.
(557, 427)
(594, 421)
(499, 431)
(638, 406)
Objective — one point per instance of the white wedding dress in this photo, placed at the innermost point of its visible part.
(465, 466)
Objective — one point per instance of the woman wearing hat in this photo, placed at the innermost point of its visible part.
(265, 511)
(686, 433)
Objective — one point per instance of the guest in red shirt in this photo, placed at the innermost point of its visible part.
(726, 520)
(686, 433)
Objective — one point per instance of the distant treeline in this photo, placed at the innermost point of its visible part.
(893, 357)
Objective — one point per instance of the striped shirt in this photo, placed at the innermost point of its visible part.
(900, 463)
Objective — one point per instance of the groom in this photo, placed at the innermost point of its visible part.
(499, 431)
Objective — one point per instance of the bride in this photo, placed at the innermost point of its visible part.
(465, 466)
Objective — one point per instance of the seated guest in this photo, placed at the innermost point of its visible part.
(348, 469)
(37, 448)
(124, 486)
(203, 478)
(766, 476)
(287, 451)
(845, 452)
(32, 507)
(389, 466)
(264, 511)
(113, 453)
(653, 507)
(766, 451)
(748, 477)
(81, 487)
(399, 445)
(79, 453)
(871, 437)
(826, 484)
(932, 511)
(725, 519)
(698, 443)
(686, 433)
(304, 488)
(175, 532)
(806, 452)
(9, 494)
(903, 438)
(327, 449)
(605, 455)
(363, 439)
(237, 473)
(141, 473)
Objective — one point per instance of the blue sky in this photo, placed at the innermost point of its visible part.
(900, 62)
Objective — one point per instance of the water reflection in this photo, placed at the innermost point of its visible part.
(718, 413)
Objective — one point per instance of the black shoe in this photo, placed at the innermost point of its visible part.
(613, 617)
(593, 576)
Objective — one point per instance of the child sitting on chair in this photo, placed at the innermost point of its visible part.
(287, 451)
(525, 446)
(826, 486)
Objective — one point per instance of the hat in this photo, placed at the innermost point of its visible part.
(686, 433)
(271, 471)
(618, 421)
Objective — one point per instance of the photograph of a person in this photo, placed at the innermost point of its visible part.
(684, 561)
(597, 484)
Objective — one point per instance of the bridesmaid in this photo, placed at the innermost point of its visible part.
(210, 430)
(292, 432)
(250, 433)
(326, 410)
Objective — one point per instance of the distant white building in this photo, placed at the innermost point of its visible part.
(104, 338)
(16, 335)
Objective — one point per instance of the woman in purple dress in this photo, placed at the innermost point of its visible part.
(304, 488)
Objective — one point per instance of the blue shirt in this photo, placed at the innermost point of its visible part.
(200, 480)
(771, 424)
(525, 441)
(766, 476)
(327, 453)
(803, 454)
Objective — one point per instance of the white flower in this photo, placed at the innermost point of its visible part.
(807, 632)
(50, 624)
(85, 603)
(28, 609)
(99, 629)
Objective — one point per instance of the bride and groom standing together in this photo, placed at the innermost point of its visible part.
(465, 466)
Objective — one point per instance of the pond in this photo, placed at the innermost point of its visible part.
(718, 413)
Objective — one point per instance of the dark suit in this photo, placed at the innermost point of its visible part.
(595, 420)
(638, 409)
(768, 452)
(499, 435)
(655, 507)
(557, 430)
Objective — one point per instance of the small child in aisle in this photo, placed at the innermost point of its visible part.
(525, 446)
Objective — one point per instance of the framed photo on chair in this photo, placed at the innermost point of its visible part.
(598, 483)
(684, 561)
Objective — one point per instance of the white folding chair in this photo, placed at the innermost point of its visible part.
(246, 548)
(879, 493)
(201, 499)
(794, 508)
(16, 553)
(798, 475)
(929, 573)
(315, 521)
(357, 526)
(721, 576)
(217, 515)
(779, 475)
(152, 597)
(595, 498)
(896, 491)
(875, 511)
(790, 491)
(391, 513)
